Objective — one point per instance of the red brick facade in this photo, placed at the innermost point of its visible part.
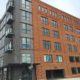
(61, 18)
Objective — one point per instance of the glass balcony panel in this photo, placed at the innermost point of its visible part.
(9, 18)
(9, 33)
(9, 48)
(10, 6)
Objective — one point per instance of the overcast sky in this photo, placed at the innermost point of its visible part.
(69, 6)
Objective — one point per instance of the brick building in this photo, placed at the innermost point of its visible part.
(38, 42)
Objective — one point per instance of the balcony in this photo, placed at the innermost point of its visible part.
(9, 18)
(9, 33)
(10, 6)
(8, 48)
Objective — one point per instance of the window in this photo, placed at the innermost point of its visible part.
(1, 61)
(9, 46)
(77, 31)
(46, 44)
(71, 58)
(77, 59)
(66, 27)
(27, 16)
(79, 40)
(45, 32)
(72, 37)
(39, 8)
(57, 46)
(54, 23)
(47, 58)
(59, 58)
(56, 34)
(42, 9)
(67, 37)
(75, 48)
(71, 29)
(26, 28)
(26, 4)
(44, 20)
(69, 47)
(27, 43)
(78, 69)
(46, 11)
(74, 70)
(26, 58)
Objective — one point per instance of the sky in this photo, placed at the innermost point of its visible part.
(70, 6)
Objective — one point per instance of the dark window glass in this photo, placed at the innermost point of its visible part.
(77, 59)
(69, 47)
(71, 29)
(78, 70)
(65, 27)
(56, 34)
(44, 20)
(78, 31)
(45, 32)
(57, 46)
(46, 44)
(54, 23)
(74, 70)
(79, 40)
(71, 58)
(72, 37)
(67, 37)
(75, 48)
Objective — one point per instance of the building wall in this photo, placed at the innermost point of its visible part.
(39, 51)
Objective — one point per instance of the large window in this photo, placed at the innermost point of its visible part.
(54, 23)
(9, 46)
(26, 58)
(69, 47)
(26, 16)
(78, 31)
(72, 37)
(66, 27)
(71, 29)
(45, 32)
(79, 40)
(26, 28)
(78, 69)
(67, 37)
(47, 58)
(44, 20)
(27, 43)
(26, 4)
(75, 48)
(56, 34)
(71, 59)
(57, 46)
(46, 44)
(74, 70)
(77, 59)
(59, 58)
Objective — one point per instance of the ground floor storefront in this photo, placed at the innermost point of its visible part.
(31, 72)
(18, 72)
